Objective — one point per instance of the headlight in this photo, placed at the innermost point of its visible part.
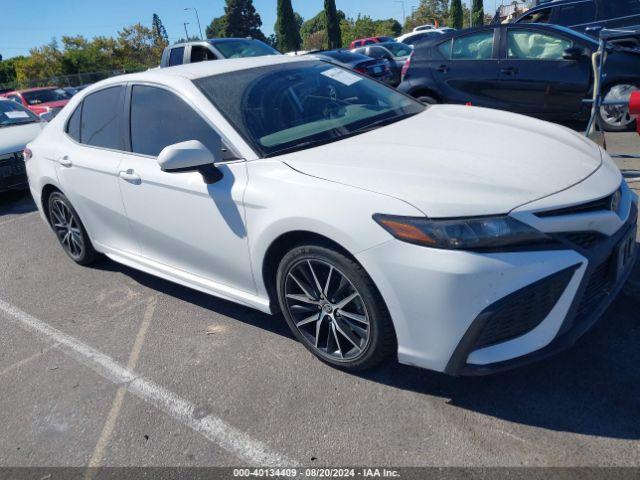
(480, 233)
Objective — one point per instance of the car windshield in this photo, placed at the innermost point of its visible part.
(244, 48)
(13, 114)
(284, 108)
(36, 97)
(398, 49)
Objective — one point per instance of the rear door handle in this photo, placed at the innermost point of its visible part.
(130, 176)
(443, 69)
(65, 161)
(509, 70)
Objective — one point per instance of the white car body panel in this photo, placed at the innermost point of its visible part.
(215, 238)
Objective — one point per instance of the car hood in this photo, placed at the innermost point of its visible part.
(452, 161)
(14, 138)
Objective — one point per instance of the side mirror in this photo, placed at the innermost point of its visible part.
(192, 156)
(573, 53)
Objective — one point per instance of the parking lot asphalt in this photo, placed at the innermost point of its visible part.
(108, 366)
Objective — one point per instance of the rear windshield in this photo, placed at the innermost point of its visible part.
(13, 114)
(43, 96)
(244, 48)
(345, 56)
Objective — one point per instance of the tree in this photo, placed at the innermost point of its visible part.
(314, 26)
(455, 14)
(217, 27)
(428, 11)
(287, 30)
(242, 20)
(159, 31)
(477, 13)
(334, 37)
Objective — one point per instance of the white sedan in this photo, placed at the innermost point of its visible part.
(460, 239)
(18, 126)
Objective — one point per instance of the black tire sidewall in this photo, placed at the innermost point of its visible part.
(379, 320)
(427, 100)
(89, 254)
(604, 126)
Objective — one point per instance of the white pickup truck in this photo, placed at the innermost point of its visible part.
(214, 49)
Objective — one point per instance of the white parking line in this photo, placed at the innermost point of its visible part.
(211, 427)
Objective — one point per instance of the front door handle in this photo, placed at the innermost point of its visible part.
(443, 69)
(130, 176)
(65, 161)
(509, 70)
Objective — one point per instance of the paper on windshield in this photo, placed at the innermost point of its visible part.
(342, 76)
(16, 114)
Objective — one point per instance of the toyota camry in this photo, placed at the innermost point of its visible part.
(459, 239)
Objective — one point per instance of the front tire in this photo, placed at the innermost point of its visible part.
(616, 118)
(334, 309)
(69, 229)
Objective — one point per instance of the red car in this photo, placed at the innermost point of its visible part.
(40, 100)
(370, 41)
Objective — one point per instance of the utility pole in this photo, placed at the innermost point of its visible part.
(197, 18)
(404, 16)
(185, 30)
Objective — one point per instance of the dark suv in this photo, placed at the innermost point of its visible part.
(586, 15)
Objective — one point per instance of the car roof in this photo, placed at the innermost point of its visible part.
(193, 71)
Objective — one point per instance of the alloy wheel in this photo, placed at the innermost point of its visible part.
(67, 228)
(617, 115)
(327, 310)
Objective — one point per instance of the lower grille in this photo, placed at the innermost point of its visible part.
(585, 240)
(522, 311)
(599, 286)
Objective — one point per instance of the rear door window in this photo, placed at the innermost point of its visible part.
(102, 116)
(201, 54)
(176, 57)
(477, 46)
(539, 16)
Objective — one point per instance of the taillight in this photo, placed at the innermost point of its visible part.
(361, 70)
(27, 153)
(634, 103)
(405, 67)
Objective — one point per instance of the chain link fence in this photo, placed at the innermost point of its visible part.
(74, 80)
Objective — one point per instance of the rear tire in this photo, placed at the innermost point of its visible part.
(70, 231)
(427, 100)
(334, 309)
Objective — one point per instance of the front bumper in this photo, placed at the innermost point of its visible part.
(440, 301)
(13, 175)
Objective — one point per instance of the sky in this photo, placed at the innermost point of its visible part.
(35, 22)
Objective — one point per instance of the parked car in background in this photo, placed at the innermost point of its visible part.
(395, 53)
(459, 239)
(44, 100)
(18, 126)
(369, 41)
(586, 15)
(414, 38)
(422, 28)
(380, 69)
(534, 69)
(214, 49)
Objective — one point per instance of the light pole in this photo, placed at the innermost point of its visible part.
(185, 30)
(404, 15)
(197, 18)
